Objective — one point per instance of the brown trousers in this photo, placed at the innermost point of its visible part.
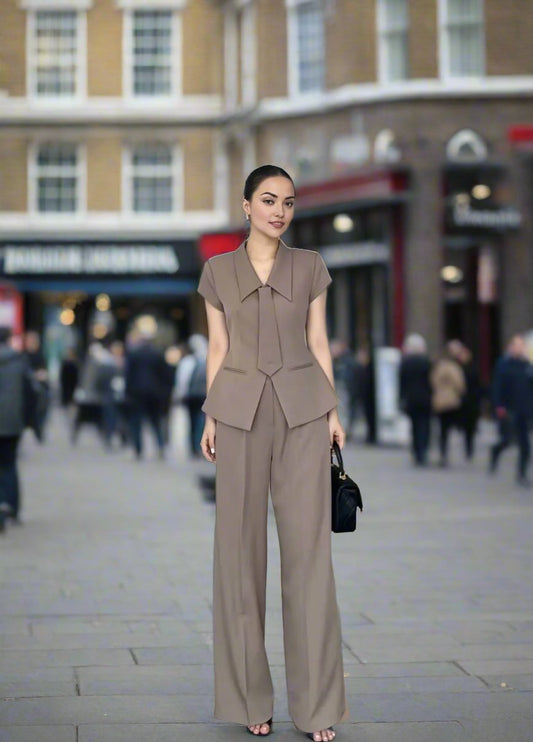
(295, 464)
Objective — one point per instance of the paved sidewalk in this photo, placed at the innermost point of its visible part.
(105, 603)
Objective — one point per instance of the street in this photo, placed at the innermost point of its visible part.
(105, 601)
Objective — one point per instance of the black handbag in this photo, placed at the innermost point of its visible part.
(345, 496)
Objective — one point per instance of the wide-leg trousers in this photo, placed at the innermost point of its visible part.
(295, 465)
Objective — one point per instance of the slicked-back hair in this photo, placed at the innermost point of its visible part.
(257, 176)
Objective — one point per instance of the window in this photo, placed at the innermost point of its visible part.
(307, 45)
(466, 145)
(54, 53)
(153, 181)
(152, 52)
(463, 38)
(57, 176)
(393, 20)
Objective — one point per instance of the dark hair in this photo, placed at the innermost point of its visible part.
(257, 176)
(5, 334)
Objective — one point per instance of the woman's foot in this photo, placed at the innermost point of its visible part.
(261, 730)
(325, 735)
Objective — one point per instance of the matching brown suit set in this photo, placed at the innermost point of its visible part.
(270, 399)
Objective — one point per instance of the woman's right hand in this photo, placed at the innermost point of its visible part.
(207, 443)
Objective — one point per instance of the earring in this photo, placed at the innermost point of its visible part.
(247, 217)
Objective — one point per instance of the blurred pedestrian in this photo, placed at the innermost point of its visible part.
(470, 406)
(146, 383)
(68, 377)
(37, 363)
(448, 389)
(191, 388)
(167, 391)
(365, 391)
(15, 399)
(344, 373)
(415, 394)
(89, 396)
(512, 396)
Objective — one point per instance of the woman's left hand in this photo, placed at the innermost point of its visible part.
(336, 431)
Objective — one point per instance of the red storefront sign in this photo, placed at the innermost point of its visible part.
(219, 242)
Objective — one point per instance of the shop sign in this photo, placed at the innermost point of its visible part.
(93, 259)
(464, 216)
(356, 253)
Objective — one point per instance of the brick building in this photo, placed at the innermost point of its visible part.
(127, 127)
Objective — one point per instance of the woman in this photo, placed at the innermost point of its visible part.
(270, 420)
(449, 386)
(415, 394)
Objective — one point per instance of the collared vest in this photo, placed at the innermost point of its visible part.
(230, 283)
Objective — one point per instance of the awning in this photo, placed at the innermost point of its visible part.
(129, 287)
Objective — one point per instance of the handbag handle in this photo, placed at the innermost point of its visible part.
(335, 449)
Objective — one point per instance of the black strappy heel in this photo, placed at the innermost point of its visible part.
(269, 722)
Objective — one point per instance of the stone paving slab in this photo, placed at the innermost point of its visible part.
(499, 730)
(44, 674)
(106, 709)
(404, 670)
(172, 655)
(495, 667)
(36, 689)
(441, 653)
(125, 640)
(63, 658)
(509, 682)
(38, 734)
(421, 732)
(141, 680)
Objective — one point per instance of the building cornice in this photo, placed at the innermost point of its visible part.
(411, 90)
(210, 110)
(111, 225)
(189, 110)
(151, 4)
(55, 4)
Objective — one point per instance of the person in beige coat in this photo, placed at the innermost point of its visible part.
(449, 387)
(271, 417)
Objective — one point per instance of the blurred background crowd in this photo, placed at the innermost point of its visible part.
(126, 131)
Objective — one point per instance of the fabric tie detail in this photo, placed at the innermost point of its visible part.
(269, 356)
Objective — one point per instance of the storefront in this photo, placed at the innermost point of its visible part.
(478, 216)
(357, 224)
(74, 291)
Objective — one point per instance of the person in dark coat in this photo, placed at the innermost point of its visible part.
(14, 374)
(68, 377)
(37, 363)
(415, 394)
(512, 396)
(471, 402)
(146, 376)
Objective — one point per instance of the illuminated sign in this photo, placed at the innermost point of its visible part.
(78, 259)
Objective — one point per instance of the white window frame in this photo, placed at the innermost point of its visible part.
(81, 180)
(293, 52)
(81, 61)
(128, 172)
(176, 85)
(444, 44)
(383, 32)
(248, 53)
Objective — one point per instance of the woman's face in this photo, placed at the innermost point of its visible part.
(271, 207)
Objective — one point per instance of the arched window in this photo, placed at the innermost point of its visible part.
(466, 145)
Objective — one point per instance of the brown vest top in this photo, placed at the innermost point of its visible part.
(230, 283)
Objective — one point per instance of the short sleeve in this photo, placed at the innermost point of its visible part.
(206, 287)
(321, 278)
